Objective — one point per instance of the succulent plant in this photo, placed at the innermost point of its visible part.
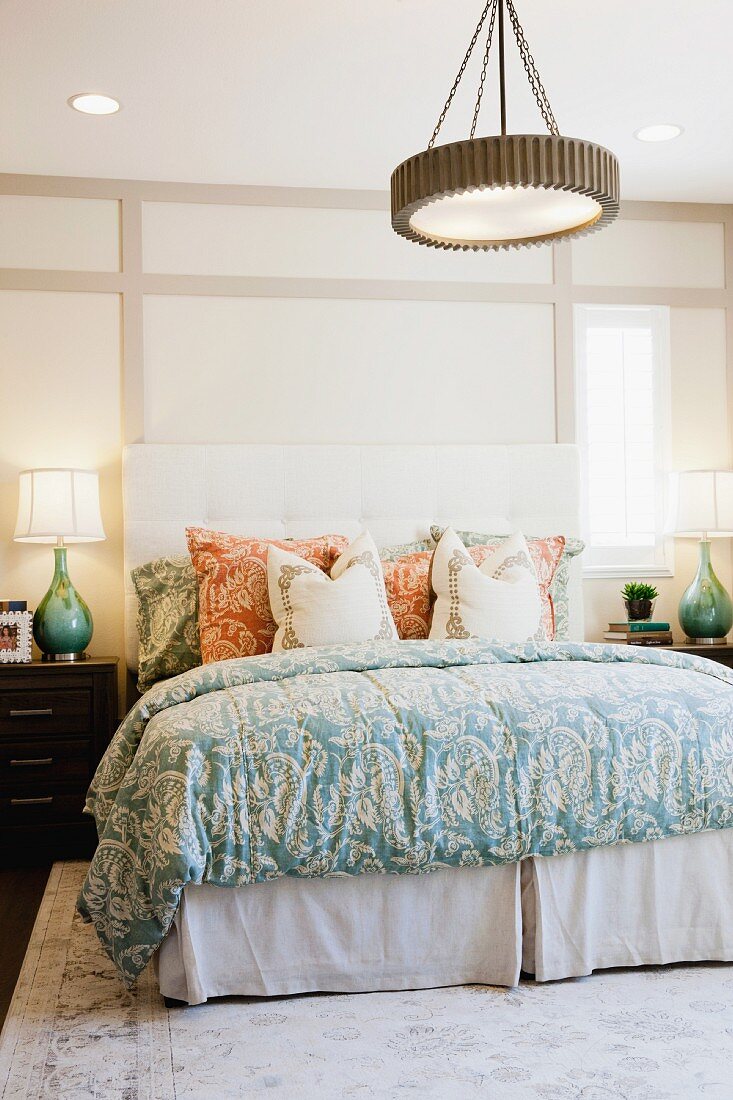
(638, 590)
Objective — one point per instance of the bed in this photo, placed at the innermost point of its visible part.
(553, 915)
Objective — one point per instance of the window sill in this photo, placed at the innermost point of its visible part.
(599, 572)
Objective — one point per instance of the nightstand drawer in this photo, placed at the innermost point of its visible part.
(56, 720)
(42, 805)
(38, 712)
(57, 760)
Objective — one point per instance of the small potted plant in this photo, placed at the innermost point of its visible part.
(639, 601)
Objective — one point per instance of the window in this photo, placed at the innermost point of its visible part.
(623, 418)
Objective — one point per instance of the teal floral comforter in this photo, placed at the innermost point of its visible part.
(397, 757)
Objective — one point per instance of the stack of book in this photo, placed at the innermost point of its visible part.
(632, 633)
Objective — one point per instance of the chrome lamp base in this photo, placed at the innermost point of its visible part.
(707, 641)
(64, 656)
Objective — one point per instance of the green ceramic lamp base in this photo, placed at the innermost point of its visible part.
(62, 623)
(706, 611)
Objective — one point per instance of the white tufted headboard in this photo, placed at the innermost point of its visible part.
(396, 491)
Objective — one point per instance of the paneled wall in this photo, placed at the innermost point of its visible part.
(311, 243)
(60, 391)
(171, 312)
(303, 370)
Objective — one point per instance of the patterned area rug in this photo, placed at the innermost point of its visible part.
(73, 1032)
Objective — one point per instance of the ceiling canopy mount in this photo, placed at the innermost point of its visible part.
(507, 190)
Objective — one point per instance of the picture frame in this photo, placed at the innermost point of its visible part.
(15, 637)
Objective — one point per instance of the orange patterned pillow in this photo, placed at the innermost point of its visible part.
(408, 593)
(235, 619)
(408, 584)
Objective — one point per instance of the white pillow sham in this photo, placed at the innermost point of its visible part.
(498, 600)
(312, 608)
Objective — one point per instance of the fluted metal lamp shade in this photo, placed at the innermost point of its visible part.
(55, 504)
(60, 506)
(506, 190)
(702, 506)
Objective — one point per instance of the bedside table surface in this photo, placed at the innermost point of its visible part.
(692, 647)
(90, 662)
(722, 654)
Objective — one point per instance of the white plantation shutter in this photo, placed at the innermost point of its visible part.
(623, 416)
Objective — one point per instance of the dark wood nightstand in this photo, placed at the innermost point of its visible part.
(723, 654)
(56, 720)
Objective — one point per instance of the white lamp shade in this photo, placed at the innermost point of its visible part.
(56, 504)
(702, 503)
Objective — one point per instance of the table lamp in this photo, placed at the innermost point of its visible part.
(702, 506)
(53, 506)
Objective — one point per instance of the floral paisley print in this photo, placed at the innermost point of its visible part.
(235, 617)
(167, 619)
(407, 581)
(397, 757)
(403, 549)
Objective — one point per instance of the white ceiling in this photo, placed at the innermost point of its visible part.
(334, 93)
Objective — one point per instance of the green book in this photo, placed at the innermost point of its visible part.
(637, 628)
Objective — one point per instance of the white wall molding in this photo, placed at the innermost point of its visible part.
(133, 351)
(564, 335)
(246, 194)
(102, 282)
(83, 187)
(248, 286)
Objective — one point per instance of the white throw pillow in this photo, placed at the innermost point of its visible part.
(498, 600)
(312, 608)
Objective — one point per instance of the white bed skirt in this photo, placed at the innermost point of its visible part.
(346, 934)
(630, 905)
(625, 905)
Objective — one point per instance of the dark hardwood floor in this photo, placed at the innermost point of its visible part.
(21, 890)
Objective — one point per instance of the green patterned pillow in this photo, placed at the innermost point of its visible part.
(558, 589)
(167, 619)
(392, 553)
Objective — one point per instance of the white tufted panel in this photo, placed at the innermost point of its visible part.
(299, 491)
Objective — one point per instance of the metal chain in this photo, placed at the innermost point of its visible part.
(482, 81)
(532, 75)
(461, 71)
(527, 60)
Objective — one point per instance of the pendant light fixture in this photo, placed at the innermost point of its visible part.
(507, 190)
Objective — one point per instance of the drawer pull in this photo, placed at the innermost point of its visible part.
(40, 762)
(31, 801)
(32, 712)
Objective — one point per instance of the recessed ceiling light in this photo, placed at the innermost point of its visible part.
(664, 131)
(92, 103)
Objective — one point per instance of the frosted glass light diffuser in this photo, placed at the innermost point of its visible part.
(505, 214)
(56, 504)
(94, 103)
(702, 503)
